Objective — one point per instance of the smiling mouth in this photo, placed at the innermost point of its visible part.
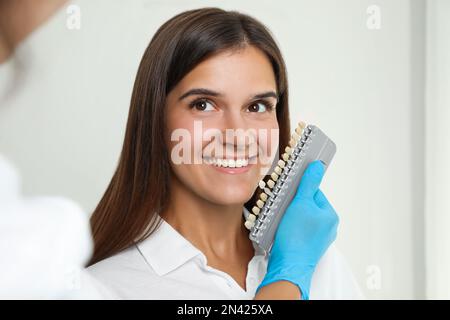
(229, 163)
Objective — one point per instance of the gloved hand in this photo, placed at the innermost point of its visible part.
(306, 230)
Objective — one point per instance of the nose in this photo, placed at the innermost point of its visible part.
(234, 119)
(238, 136)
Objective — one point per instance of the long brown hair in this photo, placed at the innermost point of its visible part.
(139, 189)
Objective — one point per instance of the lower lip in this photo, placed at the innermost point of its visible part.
(233, 170)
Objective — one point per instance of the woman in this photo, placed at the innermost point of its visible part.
(171, 229)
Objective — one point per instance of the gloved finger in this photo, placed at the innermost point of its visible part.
(321, 200)
(311, 179)
(323, 203)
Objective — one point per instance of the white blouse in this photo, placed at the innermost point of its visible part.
(167, 266)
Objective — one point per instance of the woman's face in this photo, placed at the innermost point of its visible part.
(223, 138)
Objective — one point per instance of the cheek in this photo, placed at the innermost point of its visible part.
(185, 143)
(274, 138)
(268, 142)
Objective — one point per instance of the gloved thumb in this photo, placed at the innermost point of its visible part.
(311, 179)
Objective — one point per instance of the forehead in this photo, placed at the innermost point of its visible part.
(233, 73)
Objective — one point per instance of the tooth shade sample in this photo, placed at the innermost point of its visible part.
(292, 143)
(262, 184)
(249, 224)
(278, 170)
(260, 203)
(267, 191)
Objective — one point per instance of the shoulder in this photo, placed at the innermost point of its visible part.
(333, 278)
(123, 272)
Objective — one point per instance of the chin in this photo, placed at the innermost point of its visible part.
(232, 196)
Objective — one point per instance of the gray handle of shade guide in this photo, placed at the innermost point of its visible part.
(318, 147)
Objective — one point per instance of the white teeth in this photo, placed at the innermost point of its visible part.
(227, 163)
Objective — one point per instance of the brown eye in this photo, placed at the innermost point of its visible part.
(202, 105)
(258, 107)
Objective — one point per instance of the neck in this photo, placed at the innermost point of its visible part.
(216, 230)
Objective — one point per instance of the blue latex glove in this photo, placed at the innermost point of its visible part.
(306, 230)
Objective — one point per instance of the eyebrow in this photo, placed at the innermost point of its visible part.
(208, 92)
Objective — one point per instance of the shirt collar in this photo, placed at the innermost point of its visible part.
(166, 249)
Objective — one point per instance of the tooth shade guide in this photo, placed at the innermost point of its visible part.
(287, 160)
(312, 144)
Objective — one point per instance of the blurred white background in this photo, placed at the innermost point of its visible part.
(373, 74)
